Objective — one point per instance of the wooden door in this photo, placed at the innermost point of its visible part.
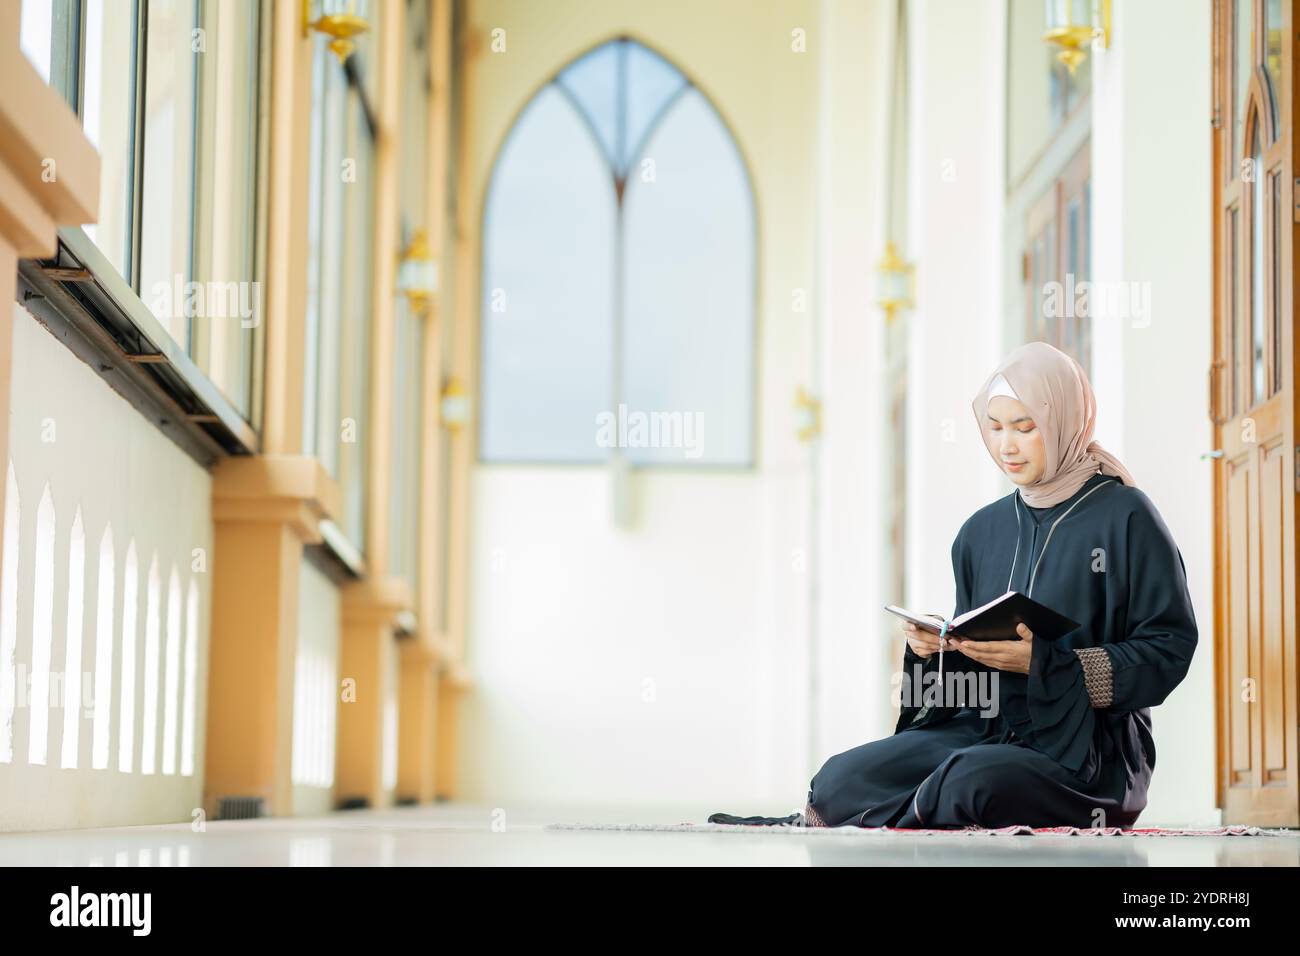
(1252, 407)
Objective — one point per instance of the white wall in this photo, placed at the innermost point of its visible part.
(658, 683)
(856, 652)
(74, 438)
(670, 661)
(956, 226)
(1152, 225)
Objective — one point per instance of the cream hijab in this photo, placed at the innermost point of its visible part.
(1056, 391)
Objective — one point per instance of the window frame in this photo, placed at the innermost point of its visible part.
(348, 545)
(255, 251)
(1049, 217)
(409, 416)
(1036, 200)
(1075, 111)
(101, 309)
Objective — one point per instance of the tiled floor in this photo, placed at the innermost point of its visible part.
(468, 835)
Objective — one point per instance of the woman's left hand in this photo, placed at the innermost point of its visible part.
(1013, 656)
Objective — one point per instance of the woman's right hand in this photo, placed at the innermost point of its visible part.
(922, 642)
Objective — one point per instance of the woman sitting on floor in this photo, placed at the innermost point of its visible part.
(1070, 741)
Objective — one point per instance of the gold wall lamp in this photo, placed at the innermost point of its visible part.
(454, 407)
(342, 20)
(808, 413)
(897, 282)
(417, 273)
(1074, 25)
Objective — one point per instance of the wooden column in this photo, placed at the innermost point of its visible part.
(371, 614)
(384, 255)
(432, 490)
(429, 632)
(264, 511)
(288, 200)
(462, 361)
(418, 724)
(452, 685)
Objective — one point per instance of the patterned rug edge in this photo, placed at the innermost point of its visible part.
(852, 831)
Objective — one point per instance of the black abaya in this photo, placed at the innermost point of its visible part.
(1070, 743)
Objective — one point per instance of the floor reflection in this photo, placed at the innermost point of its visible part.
(468, 835)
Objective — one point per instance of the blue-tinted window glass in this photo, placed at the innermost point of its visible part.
(652, 82)
(547, 291)
(689, 295)
(618, 274)
(593, 82)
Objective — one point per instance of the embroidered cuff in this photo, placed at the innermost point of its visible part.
(1097, 675)
(811, 817)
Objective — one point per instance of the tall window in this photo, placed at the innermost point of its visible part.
(1042, 94)
(230, 194)
(409, 323)
(1058, 263)
(339, 271)
(618, 299)
(1049, 194)
(170, 92)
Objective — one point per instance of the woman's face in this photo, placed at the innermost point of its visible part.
(1016, 440)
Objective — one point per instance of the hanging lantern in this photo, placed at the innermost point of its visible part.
(341, 20)
(417, 273)
(808, 414)
(895, 282)
(454, 407)
(1073, 25)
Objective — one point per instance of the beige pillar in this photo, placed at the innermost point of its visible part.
(452, 687)
(264, 510)
(371, 614)
(424, 709)
(288, 199)
(373, 608)
(418, 723)
(465, 233)
(432, 522)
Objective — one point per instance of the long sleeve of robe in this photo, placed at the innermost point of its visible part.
(1106, 673)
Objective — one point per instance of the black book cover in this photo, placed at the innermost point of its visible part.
(997, 620)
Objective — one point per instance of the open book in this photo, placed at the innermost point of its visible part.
(997, 620)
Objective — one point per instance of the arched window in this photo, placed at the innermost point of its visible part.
(618, 299)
